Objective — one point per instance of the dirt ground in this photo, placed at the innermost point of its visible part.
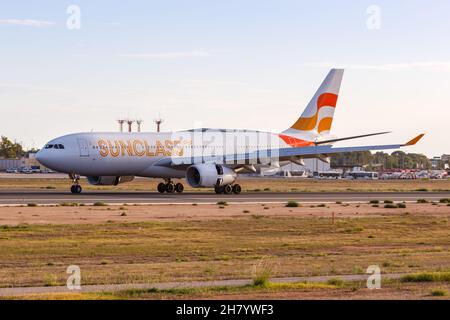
(41, 214)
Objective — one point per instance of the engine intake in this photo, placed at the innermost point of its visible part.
(209, 175)
(109, 180)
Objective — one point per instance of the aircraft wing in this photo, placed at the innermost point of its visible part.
(261, 156)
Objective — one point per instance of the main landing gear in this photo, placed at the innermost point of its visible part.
(228, 189)
(170, 187)
(75, 188)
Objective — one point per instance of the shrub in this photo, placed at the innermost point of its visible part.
(32, 204)
(390, 206)
(222, 203)
(445, 200)
(262, 274)
(439, 293)
(401, 205)
(422, 189)
(422, 201)
(388, 201)
(99, 204)
(374, 201)
(376, 205)
(246, 211)
(68, 204)
(335, 282)
(292, 204)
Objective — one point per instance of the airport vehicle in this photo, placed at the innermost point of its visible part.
(26, 170)
(327, 175)
(12, 170)
(368, 175)
(204, 157)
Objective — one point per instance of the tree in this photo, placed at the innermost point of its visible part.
(396, 160)
(9, 149)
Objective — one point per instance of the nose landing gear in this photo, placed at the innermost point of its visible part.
(75, 188)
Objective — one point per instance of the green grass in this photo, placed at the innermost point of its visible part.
(427, 277)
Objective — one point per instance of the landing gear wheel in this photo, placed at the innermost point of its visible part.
(237, 189)
(179, 187)
(227, 189)
(161, 187)
(218, 190)
(170, 188)
(76, 188)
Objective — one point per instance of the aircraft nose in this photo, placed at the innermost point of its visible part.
(40, 157)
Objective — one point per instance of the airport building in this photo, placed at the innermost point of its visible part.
(27, 162)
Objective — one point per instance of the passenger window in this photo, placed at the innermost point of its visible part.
(60, 146)
(56, 146)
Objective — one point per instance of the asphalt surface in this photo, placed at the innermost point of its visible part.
(178, 285)
(88, 197)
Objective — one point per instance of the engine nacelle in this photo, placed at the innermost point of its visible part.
(108, 180)
(209, 175)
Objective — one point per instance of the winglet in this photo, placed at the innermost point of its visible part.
(415, 140)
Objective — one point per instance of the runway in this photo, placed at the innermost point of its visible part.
(88, 197)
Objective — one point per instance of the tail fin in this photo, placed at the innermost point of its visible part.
(318, 115)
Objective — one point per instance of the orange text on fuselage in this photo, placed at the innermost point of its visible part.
(140, 148)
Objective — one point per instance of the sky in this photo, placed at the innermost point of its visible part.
(227, 64)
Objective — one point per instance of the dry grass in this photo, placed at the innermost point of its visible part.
(185, 249)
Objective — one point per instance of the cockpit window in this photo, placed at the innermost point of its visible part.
(54, 146)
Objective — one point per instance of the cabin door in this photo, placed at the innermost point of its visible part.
(84, 148)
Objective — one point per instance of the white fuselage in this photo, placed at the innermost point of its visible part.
(138, 154)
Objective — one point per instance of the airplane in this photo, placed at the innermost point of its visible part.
(206, 158)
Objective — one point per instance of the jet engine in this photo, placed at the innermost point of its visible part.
(108, 180)
(209, 175)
